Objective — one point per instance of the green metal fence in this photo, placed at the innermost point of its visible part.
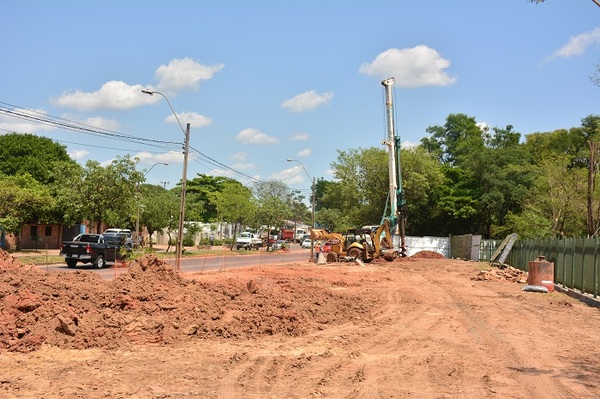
(576, 260)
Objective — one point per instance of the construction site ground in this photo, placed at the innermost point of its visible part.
(417, 327)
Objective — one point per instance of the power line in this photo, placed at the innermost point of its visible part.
(55, 121)
(62, 123)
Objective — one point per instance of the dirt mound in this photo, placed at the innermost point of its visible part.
(151, 303)
(428, 255)
(7, 261)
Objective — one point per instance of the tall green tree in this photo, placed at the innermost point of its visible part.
(555, 206)
(24, 200)
(66, 178)
(108, 193)
(422, 178)
(199, 191)
(35, 155)
(159, 208)
(459, 137)
(487, 175)
(273, 208)
(363, 185)
(235, 204)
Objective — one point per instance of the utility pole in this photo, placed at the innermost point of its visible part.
(182, 204)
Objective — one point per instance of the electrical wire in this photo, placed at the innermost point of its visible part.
(54, 121)
(62, 123)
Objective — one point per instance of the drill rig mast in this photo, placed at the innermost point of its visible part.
(397, 211)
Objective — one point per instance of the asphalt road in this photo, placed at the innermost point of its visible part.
(204, 263)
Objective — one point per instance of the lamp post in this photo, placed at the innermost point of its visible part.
(312, 241)
(137, 222)
(186, 132)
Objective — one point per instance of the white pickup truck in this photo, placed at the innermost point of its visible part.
(248, 240)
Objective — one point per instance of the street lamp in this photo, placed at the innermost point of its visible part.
(137, 222)
(312, 241)
(179, 246)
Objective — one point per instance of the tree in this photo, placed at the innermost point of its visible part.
(555, 206)
(159, 208)
(459, 137)
(65, 179)
(199, 191)
(234, 203)
(23, 200)
(108, 193)
(361, 192)
(272, 204)
(31, 154)
(596, 76)
(487, 175)
(422, 177)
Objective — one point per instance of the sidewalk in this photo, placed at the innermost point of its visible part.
(29, 252)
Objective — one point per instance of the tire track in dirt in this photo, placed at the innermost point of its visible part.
(310, 360)
(531, 362)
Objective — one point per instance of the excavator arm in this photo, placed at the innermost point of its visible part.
(380, 244)
(324, 235)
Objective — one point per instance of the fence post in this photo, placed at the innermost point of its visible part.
(564, 282)
(585, 241)
(595, 267)
(573, 263)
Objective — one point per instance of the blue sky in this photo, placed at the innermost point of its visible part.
(263, 81)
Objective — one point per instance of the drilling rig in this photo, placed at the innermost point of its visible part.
(396, 214)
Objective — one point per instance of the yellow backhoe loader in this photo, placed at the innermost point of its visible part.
(363, 244)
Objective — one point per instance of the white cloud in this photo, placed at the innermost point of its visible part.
(78, 154)
(112, 95)
(193, 118)
(239, 156)
(179, 74)
(304, 153)
(243, 166)
(229, 173)
(299, 137)
(307, 101)
(255, 136)
(412, 67)
(171, 157)
(185, 73)
(408, 144)
(291, 176)
(100, 122)
(577, 44)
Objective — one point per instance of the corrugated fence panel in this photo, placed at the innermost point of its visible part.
(576, 260)
(588, 281)
(577, 270)
(487, 249)
(569, 260)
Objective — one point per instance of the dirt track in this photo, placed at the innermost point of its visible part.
(415, 328)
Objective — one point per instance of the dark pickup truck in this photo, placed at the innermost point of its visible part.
(96, 249)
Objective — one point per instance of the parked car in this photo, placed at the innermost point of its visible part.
(96, 249)
(279, 244)
(126, 233)
(307, 243)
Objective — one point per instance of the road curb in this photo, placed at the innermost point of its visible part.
(585, 298)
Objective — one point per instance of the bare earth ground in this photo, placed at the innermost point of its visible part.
(420, 327)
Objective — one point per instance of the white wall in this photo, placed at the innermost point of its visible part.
(440, 245)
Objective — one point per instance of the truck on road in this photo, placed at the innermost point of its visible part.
(248, 240)
(96, 249)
